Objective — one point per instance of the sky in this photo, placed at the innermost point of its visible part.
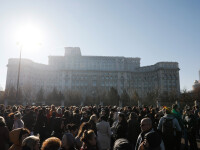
(154, 30)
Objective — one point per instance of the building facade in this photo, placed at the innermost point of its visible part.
(93, 74)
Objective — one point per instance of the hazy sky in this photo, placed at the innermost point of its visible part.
(154, 30)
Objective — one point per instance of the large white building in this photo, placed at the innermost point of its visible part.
(196, 84)
(92, 74)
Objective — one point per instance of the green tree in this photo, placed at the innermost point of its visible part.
(112, 97)
(72, 98)
(40, 96)
(10, 95)
(134, 98)
(125, 98)
(53, 97)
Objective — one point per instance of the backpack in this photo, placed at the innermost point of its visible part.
(167, 128)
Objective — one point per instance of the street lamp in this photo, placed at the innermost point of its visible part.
(17, 93)
(27, 37)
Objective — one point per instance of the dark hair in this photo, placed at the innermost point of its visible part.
(123, 117)
(103, 118)
(87, 135)
(174, 106)
(22, 132)
(72, 127)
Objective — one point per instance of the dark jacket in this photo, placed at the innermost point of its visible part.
(121, 130)
(93, 126)
(4, 137)
(133, 130)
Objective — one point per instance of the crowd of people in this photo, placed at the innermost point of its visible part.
(98, 127)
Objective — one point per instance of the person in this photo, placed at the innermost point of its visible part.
(76, 117)
(17, 136)
(121, 129)
(84, 117)
(68, 142)
(18, 123)
(41, 125)
(122, 144)
(51, 143)
(28, 119)
(114, 127)
(152, 141)
(168, 126)
(146, 127)
(103, 133)
(92, 121)
(52, 122)
(4, 134)
(31, 143)
(89, 140)
(176, 113)
(133, 129)
(10, 121)
(190, 123)
(84, 126)
(58, 128)
(73, 129)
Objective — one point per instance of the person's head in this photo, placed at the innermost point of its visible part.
(68, 141)
(93, 118)
(133, 116)
(103, 118)
(167, 110)
(121, 144)
(121, 117)
(31, 143)
(146, 124)
(89, 137)
(59, 111)
(51, 143)
(2, 121)
(152, 140)
(18, 135)
(17, 116)
(84, 126)
(103, 112)
(59, 124)
(175, 107)
(53, 107)
(73, 129)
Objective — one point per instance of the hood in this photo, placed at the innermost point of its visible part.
(14, 136)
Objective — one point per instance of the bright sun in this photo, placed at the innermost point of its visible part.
(29, 36)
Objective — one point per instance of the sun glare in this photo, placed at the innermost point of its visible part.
(29, 36)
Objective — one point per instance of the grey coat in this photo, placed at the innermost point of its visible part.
(103, 134)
